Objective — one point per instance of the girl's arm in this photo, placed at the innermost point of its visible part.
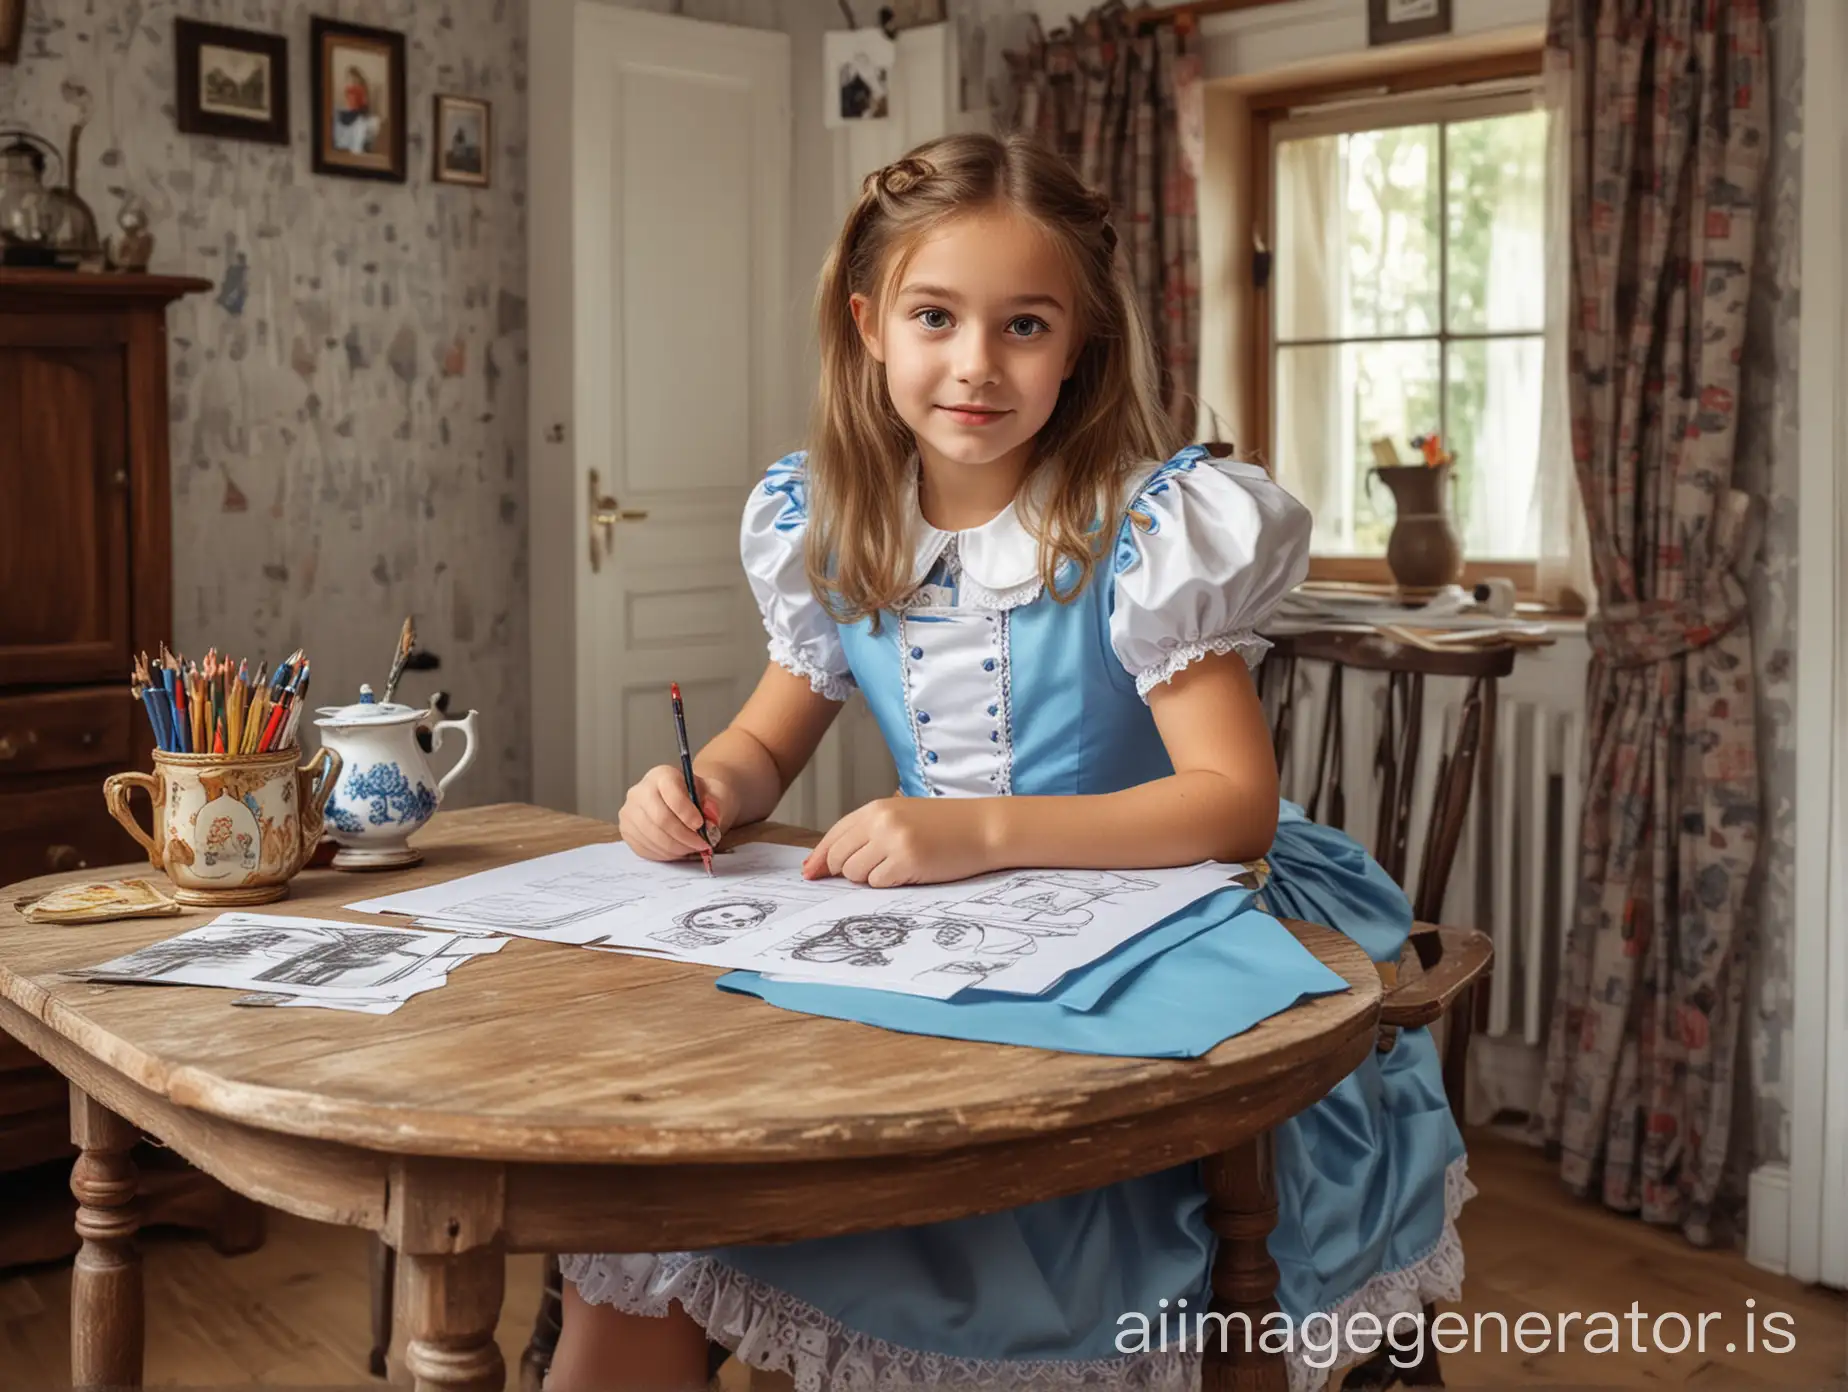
(767, 745)
(742, 772)
(1219, 804)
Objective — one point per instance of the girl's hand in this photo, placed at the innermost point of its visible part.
(901, 840)
(658, 819)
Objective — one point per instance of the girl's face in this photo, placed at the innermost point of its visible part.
(873, 935)
(728, 916)
(976, 335)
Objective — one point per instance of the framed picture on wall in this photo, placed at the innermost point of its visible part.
(357, 75)
(12, 28)
(232, 83)
(1394, 21)
(463, 141)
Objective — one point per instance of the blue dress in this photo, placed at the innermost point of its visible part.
(984, 685)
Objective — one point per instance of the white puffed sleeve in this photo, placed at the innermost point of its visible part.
(1208, 549)
(803, 638)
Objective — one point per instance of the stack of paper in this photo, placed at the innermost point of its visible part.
(372, 968)
(1017, 931)
(1452, 609)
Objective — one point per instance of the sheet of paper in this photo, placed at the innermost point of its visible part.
(602, 894)
(360, 1005)
(305, 957)
(1016, 931)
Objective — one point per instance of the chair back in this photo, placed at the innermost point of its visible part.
(1396, 755)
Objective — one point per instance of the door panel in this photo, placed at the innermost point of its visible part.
(680, 207)
(64, 529)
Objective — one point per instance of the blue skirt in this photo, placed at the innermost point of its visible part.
(1077, 1291)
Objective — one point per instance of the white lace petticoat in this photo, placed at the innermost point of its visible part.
(769, 1329)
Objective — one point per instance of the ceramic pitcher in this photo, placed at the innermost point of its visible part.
(386, 790)
(229, 829)
(1422, 552)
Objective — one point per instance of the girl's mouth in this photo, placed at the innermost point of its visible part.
(974, 415)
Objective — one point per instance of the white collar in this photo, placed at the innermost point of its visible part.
(1001, 556)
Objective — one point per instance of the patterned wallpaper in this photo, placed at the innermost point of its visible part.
(1767, 467)
(349, 403)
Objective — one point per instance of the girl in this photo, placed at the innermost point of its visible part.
(1052, 628)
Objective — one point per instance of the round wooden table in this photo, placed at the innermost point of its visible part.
(550, 1099)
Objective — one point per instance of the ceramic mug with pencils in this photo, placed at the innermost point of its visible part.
(230, 830)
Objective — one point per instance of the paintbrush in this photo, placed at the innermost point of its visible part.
(407, 639)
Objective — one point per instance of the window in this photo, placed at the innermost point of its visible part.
(1407, 295)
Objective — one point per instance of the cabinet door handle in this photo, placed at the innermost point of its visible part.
(59, 858)
(12, 747)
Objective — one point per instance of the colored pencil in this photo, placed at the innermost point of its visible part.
(216, 705)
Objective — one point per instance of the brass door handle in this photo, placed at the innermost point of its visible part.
(606, 512)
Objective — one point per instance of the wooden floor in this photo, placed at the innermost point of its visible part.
(294, 1313)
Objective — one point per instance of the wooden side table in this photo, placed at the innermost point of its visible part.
(553, 1100)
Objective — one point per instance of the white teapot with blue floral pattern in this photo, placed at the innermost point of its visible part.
(387, 789)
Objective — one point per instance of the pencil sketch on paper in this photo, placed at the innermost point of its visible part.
(598, 892)
(860, 940)
(718, 922)
(546, 905)
(1017, 932)
(296, 957)
(991, 940)
(972, 973)
(1049, 901)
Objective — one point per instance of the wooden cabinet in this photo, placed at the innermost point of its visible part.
(85, 555)
(85, 582)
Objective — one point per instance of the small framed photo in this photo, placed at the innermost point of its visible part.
(12, 29)
(359, 100)
(856, 74)
(1395, 21)
(232, 83)
(464, 140)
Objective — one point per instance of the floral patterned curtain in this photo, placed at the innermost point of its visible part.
(1668, 117)
(1109, 98)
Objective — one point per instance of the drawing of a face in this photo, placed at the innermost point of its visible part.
(728, 916)
(872, 932)
(857, 941)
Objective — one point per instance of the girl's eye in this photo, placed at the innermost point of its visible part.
(934, 318)
(1026, 326)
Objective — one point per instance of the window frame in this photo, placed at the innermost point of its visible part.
(1458, 90)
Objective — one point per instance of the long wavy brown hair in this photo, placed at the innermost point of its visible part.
(1108, 418)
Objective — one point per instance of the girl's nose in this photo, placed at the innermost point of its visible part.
(976, 360)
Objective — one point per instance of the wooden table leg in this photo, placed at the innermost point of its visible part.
(107, 1311)
(1241, 1207)
(454, 1304)
(384, 1278)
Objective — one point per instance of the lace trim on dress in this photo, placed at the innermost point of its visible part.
(770, 1329)
(1438, 1275)
(834, 686)
(974, 593)
(1004, 704)
(1245, 642)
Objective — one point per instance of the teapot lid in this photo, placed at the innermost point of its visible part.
(366, 711)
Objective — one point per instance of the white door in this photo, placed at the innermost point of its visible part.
(661, 356)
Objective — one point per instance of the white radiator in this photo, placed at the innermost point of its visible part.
(1517, 865)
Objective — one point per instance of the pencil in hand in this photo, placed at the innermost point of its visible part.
(686, 770)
